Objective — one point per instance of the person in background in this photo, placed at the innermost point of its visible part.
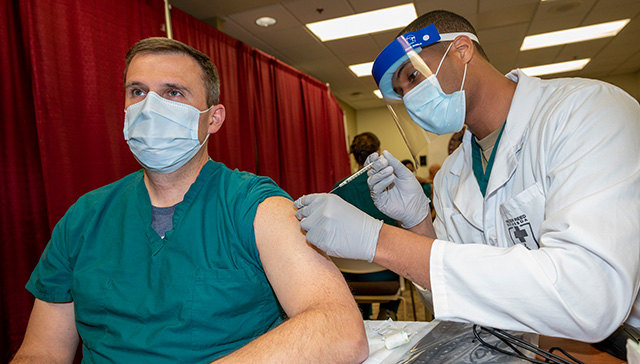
(357, 193)
(184, 261)
(433, 169)
(538, 210)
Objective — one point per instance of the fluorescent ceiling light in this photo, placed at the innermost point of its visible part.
(362, 69)
(573, 35)
(378, 93)
(364, 23)
(556, 67)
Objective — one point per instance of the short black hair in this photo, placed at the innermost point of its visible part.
(363, 145)
(445, 22)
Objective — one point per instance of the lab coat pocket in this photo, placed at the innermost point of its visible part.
(228, 308)
(461, 230)
(522, 216)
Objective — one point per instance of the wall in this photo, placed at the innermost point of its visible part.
(351, 130)
(380, 122)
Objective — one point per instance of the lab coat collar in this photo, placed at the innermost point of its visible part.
(525, 100)
(467, 196)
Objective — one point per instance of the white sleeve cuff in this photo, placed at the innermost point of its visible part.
(437, 273)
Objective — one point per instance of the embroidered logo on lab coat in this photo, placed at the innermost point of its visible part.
(520, 232)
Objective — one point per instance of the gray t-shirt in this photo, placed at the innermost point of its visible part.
(162, 219)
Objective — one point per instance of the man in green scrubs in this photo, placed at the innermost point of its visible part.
(185, 261)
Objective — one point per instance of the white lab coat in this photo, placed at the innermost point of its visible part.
(554, 247)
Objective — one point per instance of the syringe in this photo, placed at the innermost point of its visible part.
(353, 176)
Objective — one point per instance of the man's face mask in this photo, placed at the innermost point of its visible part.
(425, 109)
(162, 134)
(432, 109)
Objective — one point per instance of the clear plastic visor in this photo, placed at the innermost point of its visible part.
(399, 69)
(410, 72)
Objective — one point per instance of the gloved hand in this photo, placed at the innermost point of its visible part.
(337, 227)
(395, 190)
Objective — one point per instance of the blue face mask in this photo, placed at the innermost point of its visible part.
(162, 134)
(432, 109)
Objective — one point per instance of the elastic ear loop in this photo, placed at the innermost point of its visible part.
(464, 75)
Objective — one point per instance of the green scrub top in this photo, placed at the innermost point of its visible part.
(357, 193)
(196, 295)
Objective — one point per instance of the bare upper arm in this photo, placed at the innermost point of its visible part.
(302, 277)
(51, 333)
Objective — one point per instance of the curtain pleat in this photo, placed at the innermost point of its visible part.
(23, 220)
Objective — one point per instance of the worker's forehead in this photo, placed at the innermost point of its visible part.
(397, 53)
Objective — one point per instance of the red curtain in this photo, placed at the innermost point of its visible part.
(61, 74)
(233, 144)
(280, 123)
(23, 220)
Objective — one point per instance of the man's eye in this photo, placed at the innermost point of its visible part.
(137, 92)
(174, 93)
(413, 75)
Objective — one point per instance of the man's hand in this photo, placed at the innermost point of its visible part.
(337, 227)
(396, 191)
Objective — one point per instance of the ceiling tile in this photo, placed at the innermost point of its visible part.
(465, 8)
(558, 15)
(354, 50)
(499, 5)
(501, 26)
(537, 57)
(232, 29)
(284, 19)
(198, 9)
(630, 65)
(509, 14)
(289, 38)
(309, 11)
(361, 6)
(510, 36)
(588, 49)
(382, 39)
(611, 13)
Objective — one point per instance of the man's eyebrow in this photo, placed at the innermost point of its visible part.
(396, 75)
(132, 84)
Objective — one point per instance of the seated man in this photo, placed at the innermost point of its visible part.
(185, 261)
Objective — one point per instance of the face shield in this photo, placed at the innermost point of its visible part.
(411, 90)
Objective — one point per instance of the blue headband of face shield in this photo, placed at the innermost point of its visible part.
(393, 55)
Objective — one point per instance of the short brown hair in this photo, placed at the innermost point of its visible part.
(363, 145)
(445, 22)
(159, 45)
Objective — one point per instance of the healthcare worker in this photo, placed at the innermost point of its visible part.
(538, 211)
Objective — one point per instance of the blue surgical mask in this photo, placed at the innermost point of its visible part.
(162, 134)
(432, 109)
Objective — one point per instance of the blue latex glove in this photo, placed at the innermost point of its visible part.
(396, 191)
(337, 227)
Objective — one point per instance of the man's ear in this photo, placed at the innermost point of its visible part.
(464, 48)
(218, 114)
